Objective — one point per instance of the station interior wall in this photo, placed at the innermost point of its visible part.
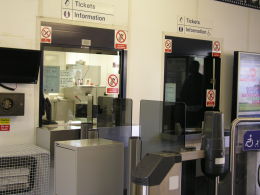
(147, 22)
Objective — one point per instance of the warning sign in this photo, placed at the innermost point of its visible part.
(211, 98)
(46, 34)
(168, 46)
(216, 49)
(112, 84)
(120, 39)
(4, 124)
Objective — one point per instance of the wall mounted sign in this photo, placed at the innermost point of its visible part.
(87, 11)
(245, 3)
(251, 140)
(167, 46)
(211, 98)
(4, 124)
(112, 84)
(194, 26)
(121, 39)
(46, 34)
(216, 48)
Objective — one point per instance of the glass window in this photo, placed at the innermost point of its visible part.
(73, 80)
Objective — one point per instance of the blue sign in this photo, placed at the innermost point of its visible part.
(251, 140)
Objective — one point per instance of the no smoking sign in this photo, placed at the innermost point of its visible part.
(120, 39)
(46, 34)
(168, 46)
(211, 98)
(112, 84)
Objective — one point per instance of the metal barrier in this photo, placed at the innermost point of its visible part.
(234, 130)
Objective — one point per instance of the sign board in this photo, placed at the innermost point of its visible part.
(211, 98)
(4, 124)
(87, 11)
(251, 140)
(216, 48)
(194, 26)
(46, 34)
(120, 39)
(167, 45)
(112, 84)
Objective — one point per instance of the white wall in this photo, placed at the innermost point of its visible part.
(19, 21)
(18, 30)
(239, 28)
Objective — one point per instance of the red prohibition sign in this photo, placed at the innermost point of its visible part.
(168, 44)
(112, 80)
(46, 32)
(211, 95)
(121, 36)
(216, 46)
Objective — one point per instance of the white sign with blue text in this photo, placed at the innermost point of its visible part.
(251, 140)
(87, 11)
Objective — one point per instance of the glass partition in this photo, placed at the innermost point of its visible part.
(70, 77)
(162, 126)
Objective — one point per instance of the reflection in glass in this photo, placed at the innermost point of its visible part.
(162, 126)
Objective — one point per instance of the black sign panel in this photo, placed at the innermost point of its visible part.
(245, 3)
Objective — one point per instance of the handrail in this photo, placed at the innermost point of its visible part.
(235, 123)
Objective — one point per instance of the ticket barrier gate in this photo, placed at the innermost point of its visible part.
(160, 173)
(245, 157)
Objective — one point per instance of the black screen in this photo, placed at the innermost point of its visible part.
(19, 65)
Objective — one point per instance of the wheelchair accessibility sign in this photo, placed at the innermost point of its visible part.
(251, 140)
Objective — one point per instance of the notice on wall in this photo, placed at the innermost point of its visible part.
(87, 11)
(66, 79)
(194, 26)
(51, 79)
(216, 48)
(167, 46)
(211, 98)
(121, 39)
(46, 34)
(4, 124)
(170, 92)
(249, 3)
(112, 86)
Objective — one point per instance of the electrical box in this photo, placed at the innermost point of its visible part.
(11, 104)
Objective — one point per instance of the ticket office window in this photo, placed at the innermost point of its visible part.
(70, 77)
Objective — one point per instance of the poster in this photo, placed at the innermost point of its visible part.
(249, 83)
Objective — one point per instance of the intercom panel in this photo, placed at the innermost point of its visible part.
(11, 104)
